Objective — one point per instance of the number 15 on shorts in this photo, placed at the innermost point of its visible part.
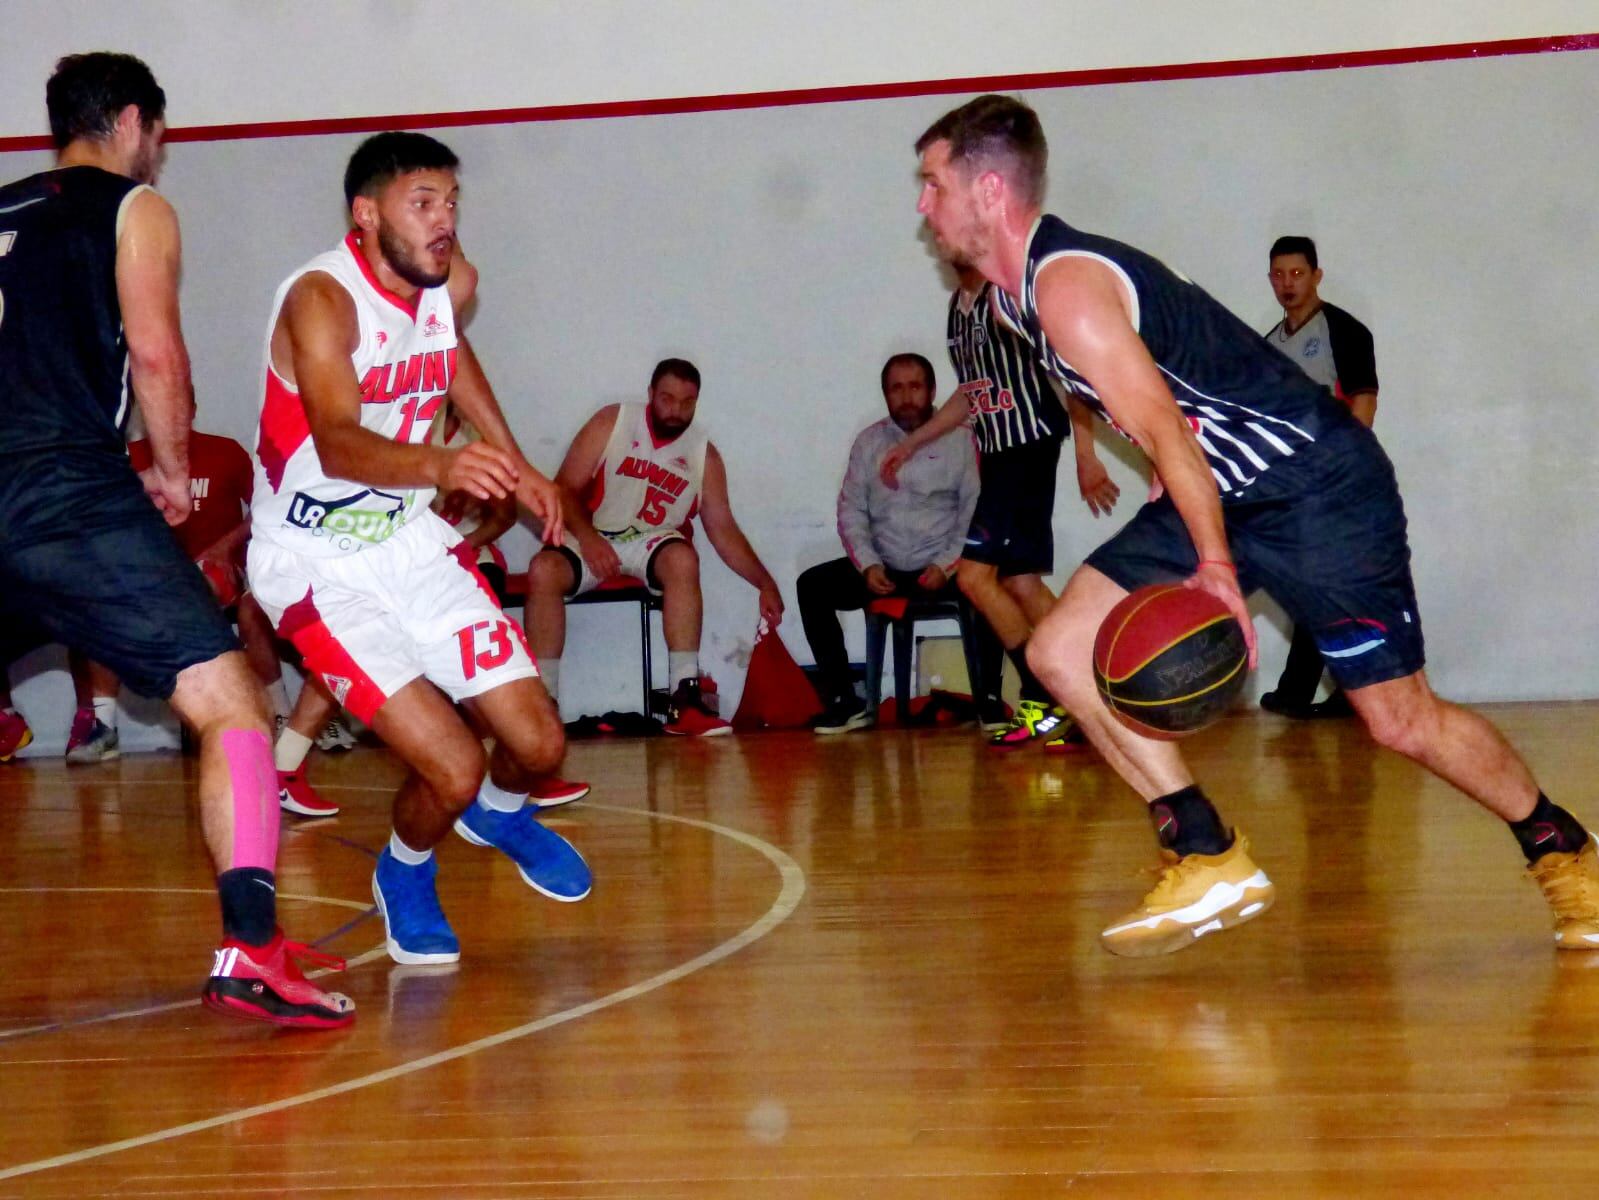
(484, 646)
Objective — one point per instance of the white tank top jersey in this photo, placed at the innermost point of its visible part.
(404, 362)
(642, 487)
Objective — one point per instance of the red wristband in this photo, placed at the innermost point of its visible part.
(1217, 562)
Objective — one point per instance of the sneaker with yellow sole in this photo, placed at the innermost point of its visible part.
(1197, 894)
(1570, 882)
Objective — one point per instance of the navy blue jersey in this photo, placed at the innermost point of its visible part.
(63, 357)
(1250, 407)
(1011, 398)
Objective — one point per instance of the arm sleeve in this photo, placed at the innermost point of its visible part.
(854, 522)
(1354, 356)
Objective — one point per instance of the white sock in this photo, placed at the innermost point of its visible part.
(406, 855)
(550, 673)
(293, 746)
(105, 711)
(497, 799)
(279, 695)
(681, 665)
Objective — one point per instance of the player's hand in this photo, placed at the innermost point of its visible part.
(169, 492)
(877, 580)
(599, 555)
(542, 497)
(453, 508)
(932, 579)
(1221, 581)
(893, 460)
(478, 469)
(1098, 489)
(771, 605)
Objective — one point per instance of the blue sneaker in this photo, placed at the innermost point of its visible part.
(548, 862)
(418, 930)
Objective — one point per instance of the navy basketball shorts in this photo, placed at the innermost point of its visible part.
(92, 564)
(1326, 539)
(1013, 524)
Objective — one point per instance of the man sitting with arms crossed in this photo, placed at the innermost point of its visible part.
(632, 481)
(900, 541)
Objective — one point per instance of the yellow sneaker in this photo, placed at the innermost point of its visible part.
(1570, 883)
(1197, 894)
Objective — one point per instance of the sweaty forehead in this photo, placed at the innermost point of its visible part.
(431, 180)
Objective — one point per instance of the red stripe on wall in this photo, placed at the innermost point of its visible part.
(865, 91)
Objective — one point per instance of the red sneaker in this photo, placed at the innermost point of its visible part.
(552, 791)
(14, 733)
(297, 796)
(688, 715)
(264, 983)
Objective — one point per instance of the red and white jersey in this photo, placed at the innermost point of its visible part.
(642, 486)
(404, 361)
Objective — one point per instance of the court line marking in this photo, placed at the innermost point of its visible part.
(788, 898)
(171, 1005)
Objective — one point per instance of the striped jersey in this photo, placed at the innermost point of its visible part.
(1010, 395)
(1249, 406)
(404, 362)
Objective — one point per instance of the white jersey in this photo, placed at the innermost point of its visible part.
(404, 361)
(642, 487)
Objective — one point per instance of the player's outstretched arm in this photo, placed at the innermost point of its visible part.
(311, 347)
(149, 261)
(577, 469)
(951, 415)
(1085, 312)
(471, 393)
(1098, 490)
(716, 512)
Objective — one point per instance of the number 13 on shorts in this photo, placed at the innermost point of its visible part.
(484, 646)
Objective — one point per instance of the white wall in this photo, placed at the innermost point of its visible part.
(779, 249)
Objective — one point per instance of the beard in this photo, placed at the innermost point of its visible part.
(909, 418)
(399, 257)
(668, 427)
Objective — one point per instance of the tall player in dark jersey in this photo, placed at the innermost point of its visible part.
(89, 262)
(1268, 482)
(1020, 418)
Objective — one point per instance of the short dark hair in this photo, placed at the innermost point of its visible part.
(895, 360)
(87, 92)
(384, 157)
(677, 368)
(1294, 243)
(994, 133)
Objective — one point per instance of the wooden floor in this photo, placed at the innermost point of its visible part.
(863, 966)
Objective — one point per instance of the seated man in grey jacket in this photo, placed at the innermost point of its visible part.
(900, 541)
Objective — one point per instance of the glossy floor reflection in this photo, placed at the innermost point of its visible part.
(934, 1018)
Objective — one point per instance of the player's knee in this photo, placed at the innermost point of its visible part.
(1056, 654)
(677, 564)
(539, 743)
(549, 574)
(455, 780)
(1404, 729)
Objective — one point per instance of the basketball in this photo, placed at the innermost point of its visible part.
(1169, 660)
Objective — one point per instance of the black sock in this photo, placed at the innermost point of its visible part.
(1031, 688)
(1548, 829)
(249, 905)
(1186, 823)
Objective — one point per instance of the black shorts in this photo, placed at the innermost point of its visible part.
(90, 563)
(1013, 524)
(1325, 538)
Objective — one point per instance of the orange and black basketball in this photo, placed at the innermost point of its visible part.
(1169, 660)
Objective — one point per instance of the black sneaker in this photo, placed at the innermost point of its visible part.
(1334, 707)
(1274, 703)
(842, 716)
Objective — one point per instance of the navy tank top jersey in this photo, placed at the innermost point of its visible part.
(63, 357)
(1249, 406)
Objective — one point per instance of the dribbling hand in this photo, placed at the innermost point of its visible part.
(478, 470)
(1221, 581)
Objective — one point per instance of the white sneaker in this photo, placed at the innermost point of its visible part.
(335, 737)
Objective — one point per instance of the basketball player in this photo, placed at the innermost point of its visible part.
(1020, 417)
(89, 264)
(376, 592)
(643, 472)
(1268, 482)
